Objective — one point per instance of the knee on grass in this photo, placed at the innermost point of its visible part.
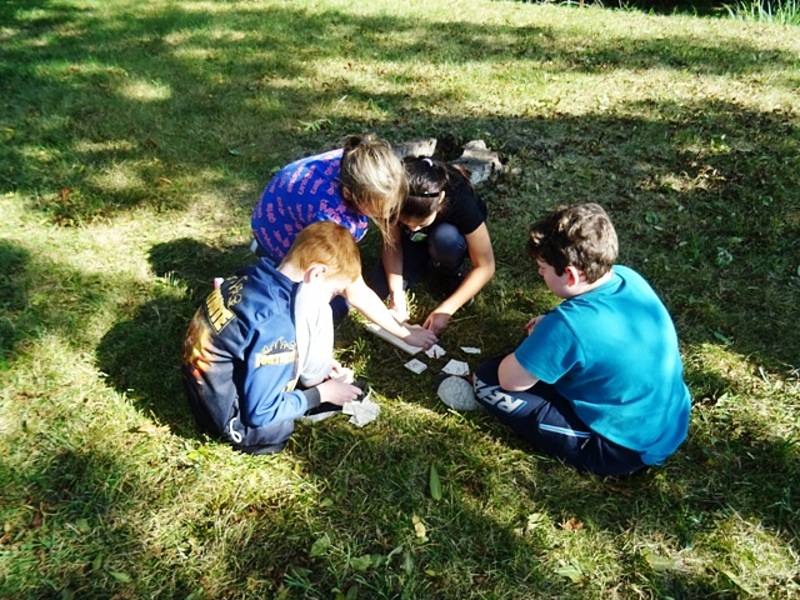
(447, 247)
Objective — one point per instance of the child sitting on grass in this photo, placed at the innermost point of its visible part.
(244, 350)
(442, 222)
(598, 382)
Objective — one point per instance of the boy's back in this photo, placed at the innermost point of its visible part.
(240, 352)
(613, 352)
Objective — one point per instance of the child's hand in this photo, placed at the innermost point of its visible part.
(399, 307)
(420, 337)
(532, 323)
(437, 322)
(341, 373)
(338, 392)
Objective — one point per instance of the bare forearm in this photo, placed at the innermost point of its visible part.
(393, 266)
(368, 304)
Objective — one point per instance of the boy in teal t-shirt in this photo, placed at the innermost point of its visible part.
(598, 381)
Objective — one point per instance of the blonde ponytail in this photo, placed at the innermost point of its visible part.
(376, 180)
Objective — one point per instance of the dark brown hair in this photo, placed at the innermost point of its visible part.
(580, 235)
(427, 178)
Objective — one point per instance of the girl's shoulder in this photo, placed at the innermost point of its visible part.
(327, 160)
(463, 207)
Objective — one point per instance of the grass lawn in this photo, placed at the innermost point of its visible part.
(135, 138)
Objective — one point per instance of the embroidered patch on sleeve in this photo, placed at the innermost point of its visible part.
(218, 314)
(280, 352)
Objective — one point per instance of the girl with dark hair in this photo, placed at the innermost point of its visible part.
(441, 222)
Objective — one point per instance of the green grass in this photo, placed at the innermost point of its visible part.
(785, 12)
(135, 140)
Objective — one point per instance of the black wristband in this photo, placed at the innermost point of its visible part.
(312, 397)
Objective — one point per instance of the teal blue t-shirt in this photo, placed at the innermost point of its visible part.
(613, 353)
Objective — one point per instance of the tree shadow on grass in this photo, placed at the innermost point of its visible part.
(378, 477)
(482, 539)
(742, 477)
(668, 179)
(378, 480)
(95, 528)
(206, 524)
(150, 374)
(13, 297)
(695, 205)
(711, 475)
(29, 284)
(196, 264)
(227, 95)
(362, 489)
(77, 513)
(662, 7)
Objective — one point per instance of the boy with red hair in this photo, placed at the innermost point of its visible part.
(242, 354)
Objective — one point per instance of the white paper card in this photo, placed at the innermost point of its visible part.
(456, 367)
(415, 366)
(470, 350)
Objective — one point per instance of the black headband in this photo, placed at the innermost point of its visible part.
(426, 194)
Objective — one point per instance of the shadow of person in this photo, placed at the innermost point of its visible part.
(738, 475)
(195, 263)
(141, 356)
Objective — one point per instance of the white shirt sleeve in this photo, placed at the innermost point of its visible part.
(314, 330)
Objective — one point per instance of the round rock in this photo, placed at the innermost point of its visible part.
(457, 393)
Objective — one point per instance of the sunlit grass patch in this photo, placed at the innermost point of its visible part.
(135, 141)
(146, 91)
(745, 558)
(119, 178)
(785, 12)
(92, 147)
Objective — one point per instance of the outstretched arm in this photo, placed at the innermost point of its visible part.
(367, 303)
(393, 267)
(479, 245)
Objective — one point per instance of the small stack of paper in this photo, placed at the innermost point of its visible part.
(435, 351)
(363, 412)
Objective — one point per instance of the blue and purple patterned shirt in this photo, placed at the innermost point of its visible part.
(300, 194)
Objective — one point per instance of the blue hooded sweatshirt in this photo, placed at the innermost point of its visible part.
(240, 359)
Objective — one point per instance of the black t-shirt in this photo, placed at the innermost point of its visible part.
(463, 208)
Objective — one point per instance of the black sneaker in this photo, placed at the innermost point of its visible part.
(444, 283)
(321, 412)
